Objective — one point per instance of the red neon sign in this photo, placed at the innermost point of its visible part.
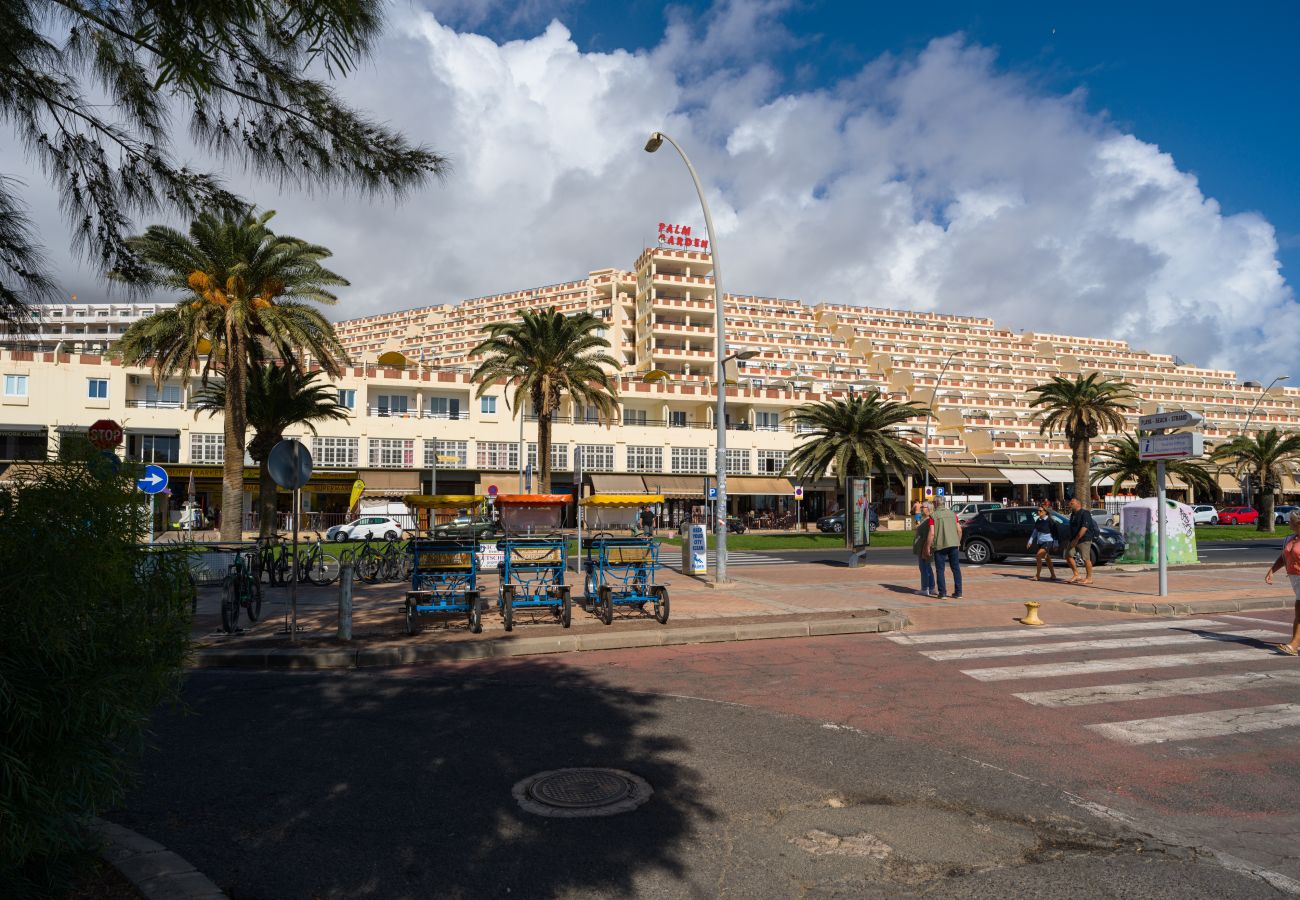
(671, 235)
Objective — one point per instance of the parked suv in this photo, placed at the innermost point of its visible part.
(1205, 515)
(1281, 512)
(998, 533)
(466, 527)
(385, 527)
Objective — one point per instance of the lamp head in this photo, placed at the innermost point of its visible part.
(656, 141)
(746, 354)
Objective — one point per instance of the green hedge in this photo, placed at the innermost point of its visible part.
(93, 635)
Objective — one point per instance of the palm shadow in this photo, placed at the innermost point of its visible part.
(398, 783)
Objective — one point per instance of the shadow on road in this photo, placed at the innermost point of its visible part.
(399, 784)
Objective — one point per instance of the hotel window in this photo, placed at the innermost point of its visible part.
(444, 407)
(207, 449)
(586, 414)
(771, 462)
(97, 388)
(15, 385)
(347, 398)
(738, 462)
(335, 452)
(393, 404)
(169, 397)
(392, 453)
(634, 417)
(677, 418)
(498, 455)
(487, 405)
(446, 454)
(645, 459)
(559, 457)
(767, 421)
(690, 460)
(153, 448)
(597, 457)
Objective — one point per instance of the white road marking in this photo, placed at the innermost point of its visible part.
(1201, 725)
(1278, 622)
(1089, 667)
(1151, 690)
(1147, 640)
(1020, 634)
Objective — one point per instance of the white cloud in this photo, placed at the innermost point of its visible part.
(932, 181)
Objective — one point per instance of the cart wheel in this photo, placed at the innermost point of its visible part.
(475, 613)
(508, 607)
(566, 607)
(412, 619)
(229, 604)
(606, 604)
(588, 589)
(661, 604)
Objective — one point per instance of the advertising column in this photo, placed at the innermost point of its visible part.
(857, 518)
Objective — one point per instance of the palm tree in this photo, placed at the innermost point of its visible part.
(1081, 410)
(855, 435)
(278, 397)
(1121, 461)
(243, 291)
(544, 355)
(1265, 457)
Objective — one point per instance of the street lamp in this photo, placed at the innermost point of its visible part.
(929, 413)
(720, 524)
(1246, 427)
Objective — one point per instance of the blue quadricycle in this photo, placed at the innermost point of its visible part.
(534, 556)
(619, 562)
(444, 570)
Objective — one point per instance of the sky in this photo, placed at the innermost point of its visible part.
(1106, 169)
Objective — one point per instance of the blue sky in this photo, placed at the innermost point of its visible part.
(1214, 84)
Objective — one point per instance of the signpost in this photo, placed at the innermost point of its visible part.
(290, 465)
(105, 434)
(1162, 446)
(153, 481)
(798, 506)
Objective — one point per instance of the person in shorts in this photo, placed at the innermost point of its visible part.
(1082, 531)
(1290, 560)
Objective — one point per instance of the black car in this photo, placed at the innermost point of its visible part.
(835, 524)
(466, 527)
(998, 533)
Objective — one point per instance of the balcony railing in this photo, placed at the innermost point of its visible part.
(382, 413)
(155, 404)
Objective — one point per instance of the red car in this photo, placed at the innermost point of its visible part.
(1238, 515)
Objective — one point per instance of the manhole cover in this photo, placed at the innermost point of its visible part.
(570, 793)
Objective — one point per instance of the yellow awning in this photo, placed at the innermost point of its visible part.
(622, 499)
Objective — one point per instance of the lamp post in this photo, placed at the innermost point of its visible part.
(929, 413)
(720, 524)
(1250, 415)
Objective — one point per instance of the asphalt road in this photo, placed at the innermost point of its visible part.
(835, 767)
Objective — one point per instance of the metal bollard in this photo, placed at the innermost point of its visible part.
(345, 602)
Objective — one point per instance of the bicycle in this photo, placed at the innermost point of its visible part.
(239, 588)
(316, 565)
(396, 564)
(367, 559)
(272, 560)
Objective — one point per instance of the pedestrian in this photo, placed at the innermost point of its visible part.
(917, 514)
(647, 521)
(1082, 530)
(1043, 542)
(924, 552)
(1290, 558)
(945, 546)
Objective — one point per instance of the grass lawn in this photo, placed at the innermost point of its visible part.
(1210, 533)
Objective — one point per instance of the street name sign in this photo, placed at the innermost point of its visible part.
(1180, 445)
(153, 481)
(1179, 418)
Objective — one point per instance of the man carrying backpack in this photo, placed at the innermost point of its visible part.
(1082, 531)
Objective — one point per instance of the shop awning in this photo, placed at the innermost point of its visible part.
(676, 485)
(9, 428)
(1023, 476)
(606, 483)
(968, 473)
(160, 432)
(1057, 476)
(1228, 482)
(950, 473)
(748, 486)
(390, 482)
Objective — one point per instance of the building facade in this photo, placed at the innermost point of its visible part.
(418, 424)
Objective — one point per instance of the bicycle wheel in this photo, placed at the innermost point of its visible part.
(324, 569)
(253, 598)
(229, 604)
(368, 567)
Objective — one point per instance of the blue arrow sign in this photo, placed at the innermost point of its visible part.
(153, 481)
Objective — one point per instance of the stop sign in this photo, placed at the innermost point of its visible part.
(105, 434)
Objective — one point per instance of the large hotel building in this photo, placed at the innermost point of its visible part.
(417, 425)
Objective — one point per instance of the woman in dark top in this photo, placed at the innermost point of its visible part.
(1043, 543)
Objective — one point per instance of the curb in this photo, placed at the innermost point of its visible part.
(157, 872)
(1186, 608)
(502, 648)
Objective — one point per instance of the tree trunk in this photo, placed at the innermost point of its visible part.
(543, 451)
(236, 414)
(1265, 505)
(267, 504)
(1082, 487)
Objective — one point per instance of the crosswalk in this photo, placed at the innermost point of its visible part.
(1059, 667)
(734, 558)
